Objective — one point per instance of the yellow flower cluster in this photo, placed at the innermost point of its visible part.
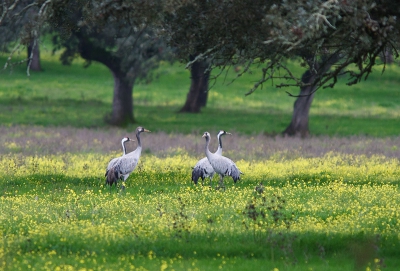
(59, 205)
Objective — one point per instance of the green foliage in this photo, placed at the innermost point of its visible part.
(75, 96)
(271, 32)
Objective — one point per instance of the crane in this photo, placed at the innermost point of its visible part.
(127, 163)
(114, 160)
(203, 168)
(221, 164)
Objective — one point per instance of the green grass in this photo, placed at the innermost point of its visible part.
(75, 96)
(320, 213)
(334, 212)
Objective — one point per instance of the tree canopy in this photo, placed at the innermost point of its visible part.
(121, 35)
(231, 32)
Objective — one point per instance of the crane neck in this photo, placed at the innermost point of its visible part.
(138, 140)
(123, 147)
(219, 143)
(208, 153)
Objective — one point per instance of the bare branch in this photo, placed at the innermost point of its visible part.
(8, 61)
(6, 10)
(43, 7)
(35, 31)
(322, 76)
(323, 17)
(31, 55)
(201, 56)
(263, 79)
(243, 72)
(25, 8)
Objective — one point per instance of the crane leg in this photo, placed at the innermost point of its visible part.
(221, 182)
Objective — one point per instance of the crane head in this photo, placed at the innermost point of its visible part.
(222, 132)
(126, 139)
(140, 129)
(206, 135)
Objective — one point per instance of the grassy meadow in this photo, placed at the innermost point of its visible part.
(79, 97)
(328, 202)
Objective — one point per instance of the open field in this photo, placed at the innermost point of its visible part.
(328, 203)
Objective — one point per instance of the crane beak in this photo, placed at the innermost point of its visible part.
(147, 130)
(228, 133)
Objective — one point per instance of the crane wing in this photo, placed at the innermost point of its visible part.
(202, 170)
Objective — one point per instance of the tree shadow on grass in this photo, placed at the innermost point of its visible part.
(90, 113)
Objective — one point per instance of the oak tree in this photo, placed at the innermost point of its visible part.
(119, 34)
(329, 39)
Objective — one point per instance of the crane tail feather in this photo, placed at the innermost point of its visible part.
(196, 174)
(112, 177)
(235, 173)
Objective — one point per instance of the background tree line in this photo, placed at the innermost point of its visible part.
(131, 38)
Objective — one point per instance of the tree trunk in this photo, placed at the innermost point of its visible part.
(387, 56)
(122, 108)
(301, 109)
(35, 61)
(198, 92)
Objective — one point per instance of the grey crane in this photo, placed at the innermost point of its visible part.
(203, 168)
(126, 163)
(114, 160)
(221, 164)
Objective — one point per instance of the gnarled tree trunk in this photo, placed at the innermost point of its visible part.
(387, 56)
(301, 109)
(198, 92)
(34, 52)
(122, 107)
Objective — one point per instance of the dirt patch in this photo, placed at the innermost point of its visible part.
(32, 140)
